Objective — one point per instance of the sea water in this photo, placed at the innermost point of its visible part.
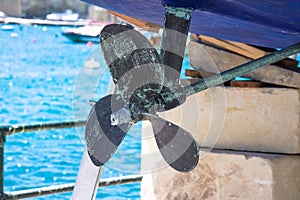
(38, 72)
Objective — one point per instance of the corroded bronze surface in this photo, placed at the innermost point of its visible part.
(134, 65)
(139, 75)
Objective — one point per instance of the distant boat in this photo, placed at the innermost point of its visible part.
(83, 34)
(7, 27)
(68, 15)
(2, 14)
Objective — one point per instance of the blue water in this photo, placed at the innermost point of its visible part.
(38, 71)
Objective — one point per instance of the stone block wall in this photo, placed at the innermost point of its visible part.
(255, 135)
(228, 176)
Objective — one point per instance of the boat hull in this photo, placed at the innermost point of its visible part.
(260, 22)
(81, 38)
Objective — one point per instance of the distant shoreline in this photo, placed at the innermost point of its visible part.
(26, 21)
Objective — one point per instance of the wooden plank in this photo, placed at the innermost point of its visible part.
(288, 62)
(252, 84)
(283, 76)
(199, 73)
(236, 47)
(138, 22)
(193, 73)
(242, 49)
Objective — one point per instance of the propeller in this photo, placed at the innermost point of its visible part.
(140, 92)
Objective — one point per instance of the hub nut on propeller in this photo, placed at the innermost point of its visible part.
(121, 116)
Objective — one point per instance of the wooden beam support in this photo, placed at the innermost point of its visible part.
(252, 84)
(199, 73)
(283, 76)
(242, 49)
(138, 22)
(236, 47)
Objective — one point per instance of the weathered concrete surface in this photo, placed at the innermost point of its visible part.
(244, 119)
(225, 60)
(253, 119)
(220, 176)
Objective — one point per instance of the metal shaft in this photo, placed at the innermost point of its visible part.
(218, 79)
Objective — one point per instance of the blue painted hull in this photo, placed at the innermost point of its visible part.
(269, 23)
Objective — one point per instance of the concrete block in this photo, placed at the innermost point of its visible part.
(252, 119)
(228, 176)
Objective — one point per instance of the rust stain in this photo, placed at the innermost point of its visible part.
(235, 109)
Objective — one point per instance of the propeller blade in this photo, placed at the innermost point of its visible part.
(102, 138)
(176, 145)
(133, 62)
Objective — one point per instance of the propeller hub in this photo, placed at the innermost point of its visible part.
(132, 113)
(120, 117)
